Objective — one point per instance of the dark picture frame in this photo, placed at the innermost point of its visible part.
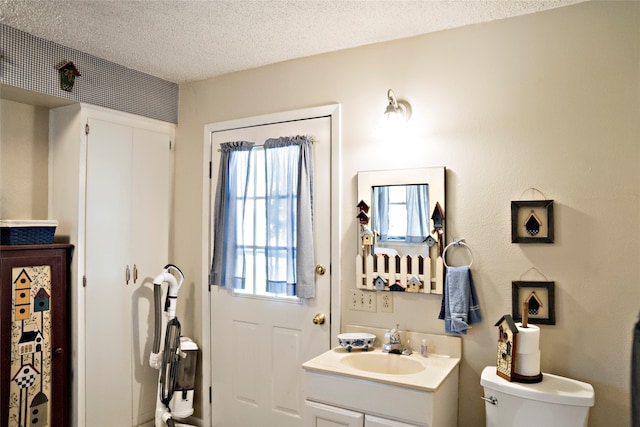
(541, 298)
(532, 221)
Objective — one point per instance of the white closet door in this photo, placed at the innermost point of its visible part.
(108, 305)
(150, 243)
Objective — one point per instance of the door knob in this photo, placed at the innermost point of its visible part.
(321, 269)
(319, 319)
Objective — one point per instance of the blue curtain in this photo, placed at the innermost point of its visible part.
(380, 214)
(417, 213)
(288, 178)
(228, 265)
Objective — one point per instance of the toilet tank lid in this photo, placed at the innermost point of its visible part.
(552, 388)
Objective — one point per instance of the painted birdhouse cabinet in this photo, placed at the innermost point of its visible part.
(506, 351)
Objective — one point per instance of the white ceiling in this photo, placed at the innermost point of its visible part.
(185, 40)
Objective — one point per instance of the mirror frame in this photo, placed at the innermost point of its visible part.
(434, 176)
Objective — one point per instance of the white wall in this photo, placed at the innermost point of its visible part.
(549, 101)
(24, 150)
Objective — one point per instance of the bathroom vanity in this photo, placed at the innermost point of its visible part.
(375, 389)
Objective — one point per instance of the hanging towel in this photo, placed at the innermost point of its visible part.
(635, 377)
(459, 307)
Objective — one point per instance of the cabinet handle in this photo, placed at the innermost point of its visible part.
(135, 274)
(58, 351)
(127, 275)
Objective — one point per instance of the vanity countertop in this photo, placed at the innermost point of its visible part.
(437, 368)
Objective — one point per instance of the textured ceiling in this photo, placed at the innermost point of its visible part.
(184, 40)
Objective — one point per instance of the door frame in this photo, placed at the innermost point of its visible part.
(332, 111)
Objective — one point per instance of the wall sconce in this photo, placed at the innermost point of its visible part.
(395, 118)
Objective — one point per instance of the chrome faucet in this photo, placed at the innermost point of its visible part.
(393, 342)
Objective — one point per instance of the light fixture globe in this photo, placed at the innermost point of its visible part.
(395, 118)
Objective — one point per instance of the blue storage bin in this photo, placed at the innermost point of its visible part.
(27, 232)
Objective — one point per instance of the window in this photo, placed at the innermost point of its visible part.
(263, 242)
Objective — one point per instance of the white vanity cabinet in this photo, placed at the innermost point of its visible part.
(377, 389)
(110, 187)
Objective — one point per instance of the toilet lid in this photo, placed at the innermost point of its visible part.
(552, 389)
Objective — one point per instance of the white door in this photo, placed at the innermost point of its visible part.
(127, 225)
(258, 344)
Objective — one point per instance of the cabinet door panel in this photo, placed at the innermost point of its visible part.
(150, 242)
(371, 421)
(319, 415)
(108, 306)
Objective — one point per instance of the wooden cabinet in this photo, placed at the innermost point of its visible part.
(34, 340)
(110, 193)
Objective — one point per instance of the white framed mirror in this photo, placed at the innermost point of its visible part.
(400, 241)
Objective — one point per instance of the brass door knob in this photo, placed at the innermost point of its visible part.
(321, 269)
(319, 319)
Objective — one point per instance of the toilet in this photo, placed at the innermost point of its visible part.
(554, 402)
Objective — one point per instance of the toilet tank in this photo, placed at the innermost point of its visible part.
(554, 402)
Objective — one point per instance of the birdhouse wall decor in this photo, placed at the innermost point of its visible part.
(540, 298)
(68, 73)
(532, 221)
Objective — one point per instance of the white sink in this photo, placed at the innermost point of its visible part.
(382, 363)
(414, 371)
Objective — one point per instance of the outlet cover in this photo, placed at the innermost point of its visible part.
(370, 300)
(386, 302)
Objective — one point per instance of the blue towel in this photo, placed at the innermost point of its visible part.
(459, 307)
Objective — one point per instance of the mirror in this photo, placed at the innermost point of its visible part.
(395, 217)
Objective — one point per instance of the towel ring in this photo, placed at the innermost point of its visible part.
(457, 243)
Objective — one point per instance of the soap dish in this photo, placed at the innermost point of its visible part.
(356, 340)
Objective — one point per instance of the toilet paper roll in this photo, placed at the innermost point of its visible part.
(528, 364)
(528, 339)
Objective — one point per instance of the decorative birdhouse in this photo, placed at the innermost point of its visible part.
(430, 241)
(41, 301)
(363, 218)
(39, 410)
(68, 73)
(532, 225)
(438, 217)
(534, 303)
(379, 283)
(30, 342)
(26, 376)
(367, 237)
(507, 341)
(398, 287)
(414, 284)
(362, 206)
(22, 296)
